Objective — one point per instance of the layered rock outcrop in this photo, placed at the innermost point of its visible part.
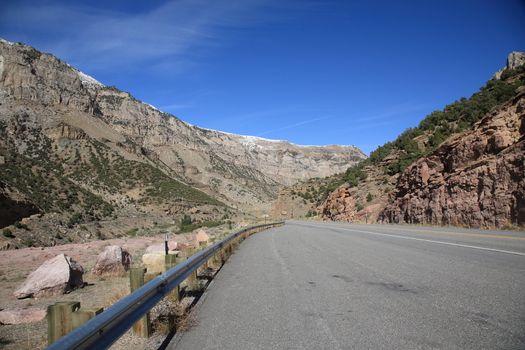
(66, 103)
(339, 206)
(476, 179)
(514, 60)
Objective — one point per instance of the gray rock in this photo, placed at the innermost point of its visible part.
(20, 316)
(514, 60)
(112, 260)
(159, 248)
(58, 275)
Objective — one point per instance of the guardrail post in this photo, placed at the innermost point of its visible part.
(60, 319)
(192, 282)
(136, 280)
(214, 261)
(63, 317)
(171, 261)
(83, 315)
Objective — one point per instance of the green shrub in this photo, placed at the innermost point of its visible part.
(186, 220)
(311, 213)
(132, 232)
(8, 233)
(369, 197)
(440, 125)
(74, 220)
(18, 224)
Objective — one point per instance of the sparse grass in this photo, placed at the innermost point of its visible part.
(18, 224)
(185, 319)
(8, 233)
(116, 296)
(132, 232)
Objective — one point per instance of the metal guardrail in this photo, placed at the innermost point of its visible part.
(104, 329)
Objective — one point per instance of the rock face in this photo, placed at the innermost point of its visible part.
(201, 236)
(69, 107)
(21, 316)
(112, 260)
(58, 275)
(514, 60)
(475, 179)
(339, 206)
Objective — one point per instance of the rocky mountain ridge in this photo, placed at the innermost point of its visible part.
(50, 107)
(461, 166)
(475, 179)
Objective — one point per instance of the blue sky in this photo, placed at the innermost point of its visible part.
(312, 72)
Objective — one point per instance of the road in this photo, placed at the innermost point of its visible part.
(310, 285)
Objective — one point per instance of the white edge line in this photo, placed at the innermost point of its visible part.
(432, 241)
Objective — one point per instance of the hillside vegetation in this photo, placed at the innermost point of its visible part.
(360, 193)
(395, 156)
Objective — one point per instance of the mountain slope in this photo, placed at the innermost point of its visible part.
(364, 190)
(96, 149)
(475, 179)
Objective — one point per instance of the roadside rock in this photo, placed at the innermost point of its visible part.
(339, 206)
(201, 236)
(155, 262)
(20, 316)
(112, 260)
(514, 60)
(58, 275)
(159, 248)
(475, 179)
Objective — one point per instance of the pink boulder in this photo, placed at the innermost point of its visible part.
(202, 236)
(159, 248)
(58, 275)
(112, 260)
(20, 316)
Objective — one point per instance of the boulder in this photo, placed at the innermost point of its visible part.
(339, 205)
(112, 260)
(58, 275)
(20, 316)
(159, 247)
(201, 236)
(154, 262)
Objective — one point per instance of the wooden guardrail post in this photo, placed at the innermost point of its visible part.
(192, 282)
(60, 319)
(171, 261)
(83, 315)
(136, 280)
(214, 262)
(64, 316)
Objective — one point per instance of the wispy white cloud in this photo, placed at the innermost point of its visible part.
(175, 106)
(174, 33)
(393, 111)
(294, 125)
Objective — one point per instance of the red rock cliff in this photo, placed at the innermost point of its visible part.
(475, 179)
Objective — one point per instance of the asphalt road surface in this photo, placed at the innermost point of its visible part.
(340, 286)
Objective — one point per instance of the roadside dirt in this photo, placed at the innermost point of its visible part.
(15, 265)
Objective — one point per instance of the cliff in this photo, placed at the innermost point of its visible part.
(475, 179)
(42, 95)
